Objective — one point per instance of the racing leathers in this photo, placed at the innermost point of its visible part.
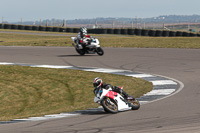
(115, 89)
(83, 39)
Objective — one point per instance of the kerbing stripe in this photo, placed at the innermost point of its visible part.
(143, 102)
(102, 70)
(163, 87)
(60, 115)
(6, 63)
(139, 75)
(164, 82)
(50, 66)
(53, 116)
(160, 92)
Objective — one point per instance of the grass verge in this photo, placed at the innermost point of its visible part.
(27, 91)
(19, 38)
(13, 39)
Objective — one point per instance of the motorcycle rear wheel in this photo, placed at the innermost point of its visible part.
(135, 104)
(109, 105)
(100, 51)
(80, 51)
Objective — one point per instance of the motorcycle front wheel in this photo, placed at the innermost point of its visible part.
(100, 51)
(109, 105)
(135, 104)
(80, 51)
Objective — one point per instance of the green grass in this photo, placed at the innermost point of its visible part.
(13, 39)
(9, 39)
(151, 42)
(27, 91)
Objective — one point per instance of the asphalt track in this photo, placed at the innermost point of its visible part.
(179, 113)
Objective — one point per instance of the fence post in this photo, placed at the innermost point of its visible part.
(132, 24)
(21, 21)
(2, 20)
(113, 24)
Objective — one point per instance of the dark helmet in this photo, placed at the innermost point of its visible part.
(97, 82)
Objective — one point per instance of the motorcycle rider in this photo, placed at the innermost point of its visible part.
(82, 37)
(98, 82)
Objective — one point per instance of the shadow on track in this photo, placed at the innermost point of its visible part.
(92, 111)
(76, 55)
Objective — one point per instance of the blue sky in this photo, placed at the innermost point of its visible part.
(33, 10)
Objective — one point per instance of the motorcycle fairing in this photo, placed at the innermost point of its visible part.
(111, 94)
(121, 102)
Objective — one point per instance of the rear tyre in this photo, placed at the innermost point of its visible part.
(100, 51)
(80, 51)
(109, 105)
(135, 104)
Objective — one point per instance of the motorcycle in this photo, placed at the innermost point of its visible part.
(91, 48)
(113, 102)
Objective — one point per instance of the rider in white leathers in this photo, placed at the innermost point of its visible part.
(82, 37)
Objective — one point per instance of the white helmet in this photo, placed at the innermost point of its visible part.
(83, 30)
(97, 82)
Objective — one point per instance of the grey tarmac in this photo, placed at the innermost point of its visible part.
(179, 113)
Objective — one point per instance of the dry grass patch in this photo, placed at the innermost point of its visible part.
(13, 39)
(151, 42)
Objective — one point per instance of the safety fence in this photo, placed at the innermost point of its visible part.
(137, 32)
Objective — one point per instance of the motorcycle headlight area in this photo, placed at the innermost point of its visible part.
(93, 40)
(98, 92)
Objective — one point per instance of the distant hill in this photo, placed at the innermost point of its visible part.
(163, 18)
(110, 20)
(175, 19)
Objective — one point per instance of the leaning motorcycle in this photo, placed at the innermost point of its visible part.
(91, 48)
(114, 102)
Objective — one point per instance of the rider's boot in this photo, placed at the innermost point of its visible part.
(126, 96)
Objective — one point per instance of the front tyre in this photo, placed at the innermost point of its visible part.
(109, 105)
(100, 51)
(135, 104)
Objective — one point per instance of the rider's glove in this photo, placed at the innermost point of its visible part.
(117, 89)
